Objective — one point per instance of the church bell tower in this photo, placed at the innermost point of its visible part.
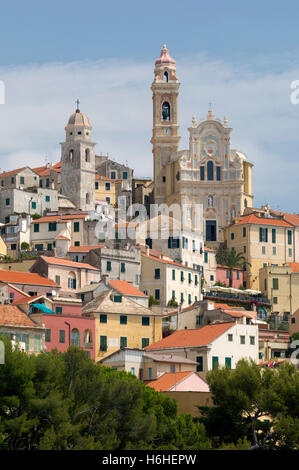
(165, 138)
(78, 162)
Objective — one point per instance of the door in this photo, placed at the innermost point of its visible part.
(211, 235)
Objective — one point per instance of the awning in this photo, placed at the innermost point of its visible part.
(43, 308)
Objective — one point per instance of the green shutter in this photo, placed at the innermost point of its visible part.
(228, 362)
(103, 343)
(215, 362)
(144, 342)
(123, 342)
(61, 336)
(199, 361)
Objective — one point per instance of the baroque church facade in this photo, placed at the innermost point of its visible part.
(209, 173)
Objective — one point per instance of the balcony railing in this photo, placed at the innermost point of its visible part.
(236, 297)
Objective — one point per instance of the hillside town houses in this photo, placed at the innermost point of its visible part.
(147, 291)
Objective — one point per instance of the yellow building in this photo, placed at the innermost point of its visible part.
(262, 241)
(3, 248)
(105, 189)
(167, 280)
(281, 285)
(122, 323)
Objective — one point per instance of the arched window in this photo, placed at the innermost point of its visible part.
(71, 281)
(165, 111)
(87, 198)
(87, 155)
(245, 203)
(210, 171)
(165, 77)
(71, 155)
(87, 338)
(75, 337)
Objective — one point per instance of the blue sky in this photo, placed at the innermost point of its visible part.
(241, 57)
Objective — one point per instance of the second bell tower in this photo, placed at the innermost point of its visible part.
(165, 139)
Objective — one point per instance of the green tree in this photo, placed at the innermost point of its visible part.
(253, 403)
(233, 260)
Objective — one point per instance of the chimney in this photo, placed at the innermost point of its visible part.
(105, 279)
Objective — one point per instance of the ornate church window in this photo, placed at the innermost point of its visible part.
(165, 77)
(210, 171)
(165, 111)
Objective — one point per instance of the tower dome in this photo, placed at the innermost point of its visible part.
(164, 57)
(78, 119)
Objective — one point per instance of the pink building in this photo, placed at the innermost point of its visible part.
(222, 275)
(69, 275)
(63, 322)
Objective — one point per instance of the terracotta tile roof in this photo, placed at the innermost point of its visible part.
(18, 277)
(12, 315)
(239, 313)
(84, 248)
(12, 172)
(126, 288)
(44, 170)
(199, 337)
(168, 262)
(105, 178)
(254, 219)
(62, 237)
(27, 300)
(295, 267)
(291, 218)
(152, 252)
(222, 266)
(59, 218)
(67, 262)
(168, 380)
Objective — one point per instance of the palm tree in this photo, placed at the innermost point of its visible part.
(234, 260)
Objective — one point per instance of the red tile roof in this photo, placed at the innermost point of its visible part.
(28, 300)
(18, 277)
(59, 218)
(12, 315)
(221, 266)
(168, 262)
(84, 248)
(199, 337)
(291, 218)
(12, 172)
(168, 380)
(126, 288)
(254, 219)
(67, 262)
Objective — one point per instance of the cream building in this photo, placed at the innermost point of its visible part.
(262, 241)
(212, 346)
(209, 173)
(166, 280)
(281, 285)
(58, 232)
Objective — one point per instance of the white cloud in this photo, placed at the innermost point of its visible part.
(116, 96)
